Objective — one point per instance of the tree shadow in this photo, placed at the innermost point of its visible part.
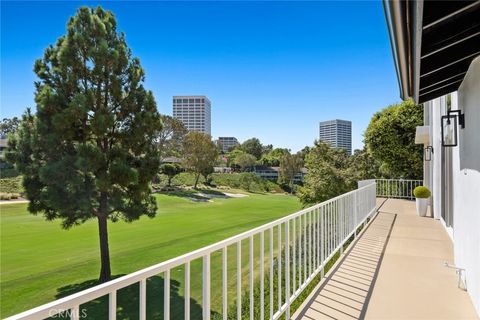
(128, 301)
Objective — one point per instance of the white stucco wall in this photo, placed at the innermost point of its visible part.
(466, 179)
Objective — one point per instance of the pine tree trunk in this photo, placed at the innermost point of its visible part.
(170, 181)
(105, 272)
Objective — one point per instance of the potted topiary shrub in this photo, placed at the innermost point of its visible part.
(421, 194)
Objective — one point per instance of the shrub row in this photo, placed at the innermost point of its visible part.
(9, 196)
(11, 185)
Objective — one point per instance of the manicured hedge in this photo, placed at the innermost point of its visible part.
(11, 185)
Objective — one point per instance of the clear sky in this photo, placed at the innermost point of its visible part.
(271, 70)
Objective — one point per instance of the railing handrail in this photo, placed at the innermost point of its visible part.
(100, 290)
(384, 179)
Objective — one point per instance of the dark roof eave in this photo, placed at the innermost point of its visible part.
(433, 43)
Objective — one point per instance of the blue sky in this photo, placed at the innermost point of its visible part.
(271, 70)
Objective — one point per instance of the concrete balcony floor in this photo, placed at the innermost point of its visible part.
(395, 270)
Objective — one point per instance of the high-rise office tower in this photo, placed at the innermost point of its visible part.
(338, 133)
(228, 143)
(194, 112)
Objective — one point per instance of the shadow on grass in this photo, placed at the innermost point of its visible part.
(128, 301)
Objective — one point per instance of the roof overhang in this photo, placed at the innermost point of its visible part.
(433, 44)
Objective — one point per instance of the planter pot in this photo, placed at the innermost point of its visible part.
(422, 205)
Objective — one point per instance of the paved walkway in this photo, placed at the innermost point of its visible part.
(394, 271)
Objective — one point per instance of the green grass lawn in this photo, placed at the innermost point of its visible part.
(41, 262)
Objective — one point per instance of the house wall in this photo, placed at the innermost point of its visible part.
(466, 180)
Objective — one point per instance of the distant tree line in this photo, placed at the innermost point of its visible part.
(390, 152)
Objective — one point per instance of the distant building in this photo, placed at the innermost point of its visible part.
(222, 170)
(228, 143)
(3, 144)
(3, 147)
(171, 160)
(194, 112)
(272, 173)
(338, 133)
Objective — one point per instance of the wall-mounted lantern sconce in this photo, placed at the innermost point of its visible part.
(428, 153)
(450, 129)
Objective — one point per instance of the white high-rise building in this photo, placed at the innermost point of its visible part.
(194, 112)
(338, 133)
(228, 143)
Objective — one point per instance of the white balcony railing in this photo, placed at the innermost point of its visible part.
(306, 240)
(396, 188)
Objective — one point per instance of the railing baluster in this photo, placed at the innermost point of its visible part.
(344, 217)
(239, 280)
(337, 223)
(300, 252)
(334, 229)
(224, 284)
(262, 276)
(325, 231)
(331, 226)
(339, 219)
(314, 227)
(340, 223)
(348, 215)
(305, 253)
(309, 217)
(294, 262)
(287, 268)
(112, 305)
(341, 227)
(187, 291)
(354, 212)
(322, 239)
(250, 254)
(279, 260)
(206, 287)
(271, 273)
(319, 259)
(143, 299)
(166, 295)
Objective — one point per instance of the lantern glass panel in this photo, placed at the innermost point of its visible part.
(449, 131)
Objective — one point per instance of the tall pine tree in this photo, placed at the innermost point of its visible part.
(89, 151)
